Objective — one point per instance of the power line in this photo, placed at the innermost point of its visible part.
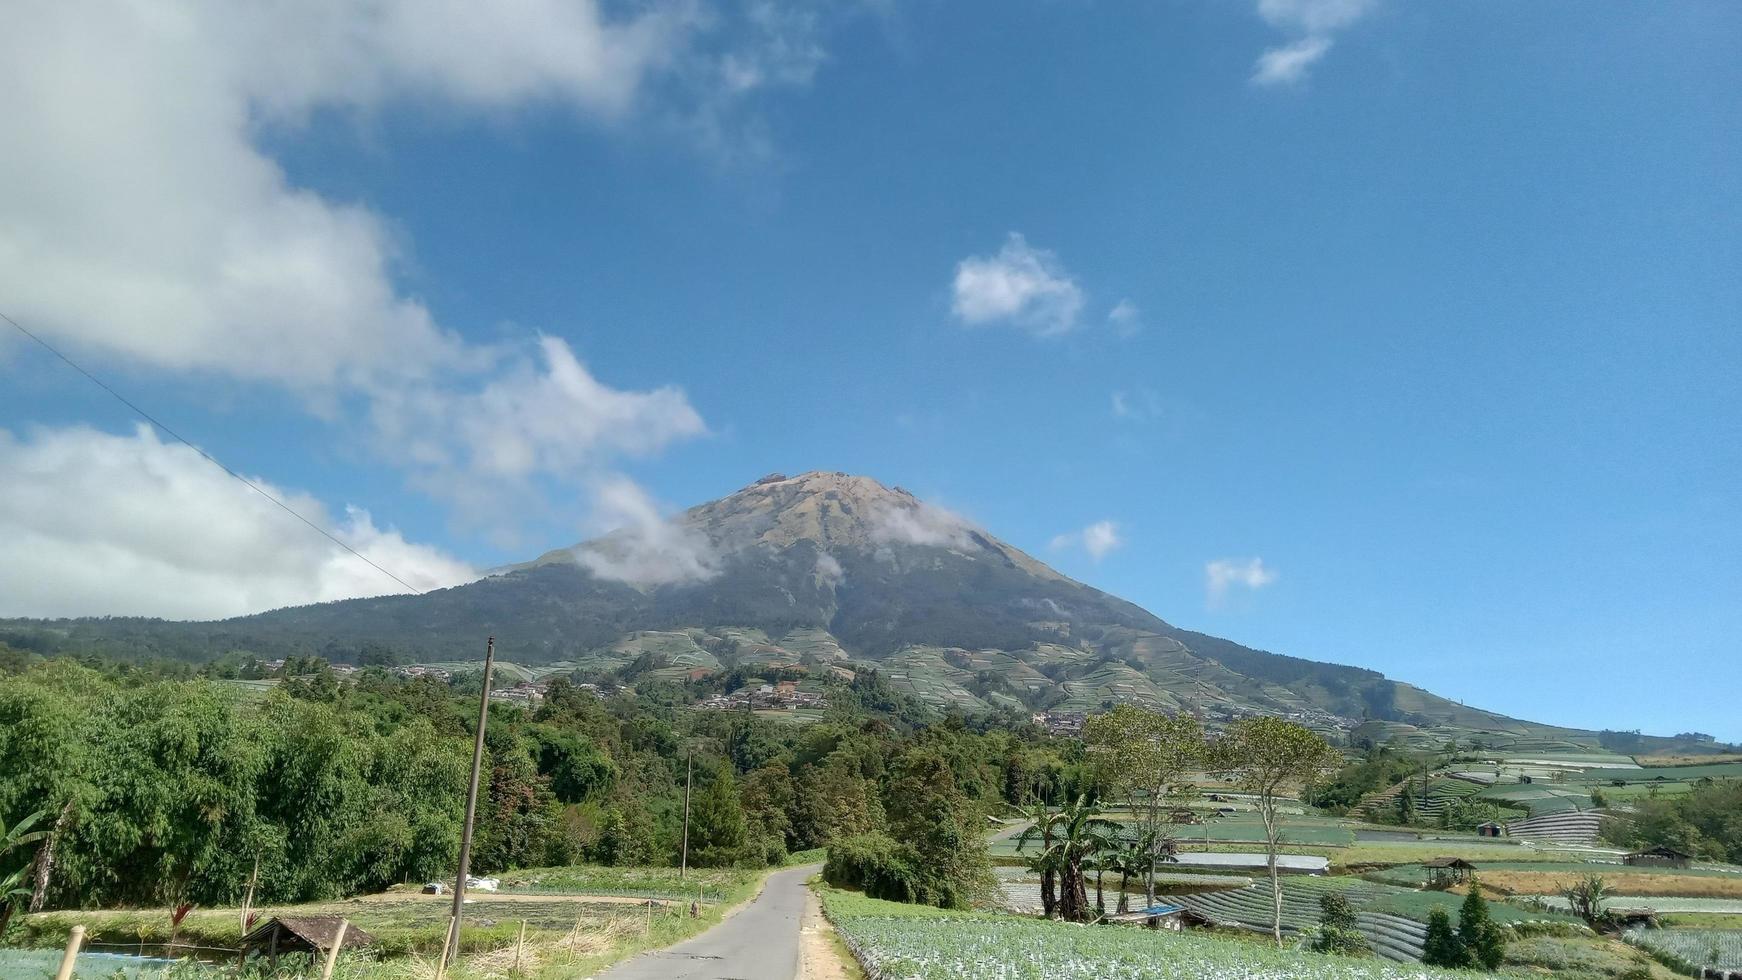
(208, 457)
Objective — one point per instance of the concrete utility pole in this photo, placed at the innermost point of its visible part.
(689, 771)
(452, 949)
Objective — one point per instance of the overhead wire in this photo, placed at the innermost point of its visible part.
(208, 457)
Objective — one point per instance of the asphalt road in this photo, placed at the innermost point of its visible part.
(759, 943)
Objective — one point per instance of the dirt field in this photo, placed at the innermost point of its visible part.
(1555, 882)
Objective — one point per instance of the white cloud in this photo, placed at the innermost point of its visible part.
(96, 524)
(532, 419)
(1313, 22)
(1021, 285)
(1141, 405)
(142, 221)
(829, 570)
(922, 524)
(1098, 539)
(142, 225)
(1224, 574)
(1314, 16)
(644, 548)
(1289, 63)
(1126, 318)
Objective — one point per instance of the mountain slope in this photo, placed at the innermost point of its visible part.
(832, 567)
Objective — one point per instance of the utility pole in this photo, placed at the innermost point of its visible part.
(689, 771)
(452, 949)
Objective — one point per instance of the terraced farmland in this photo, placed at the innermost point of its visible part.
(1393, 919)
(1537, 799)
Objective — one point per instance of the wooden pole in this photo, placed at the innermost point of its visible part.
(452, 949)
(333, 953)
(74, 941)
(248, 899)
(689, 771)
(441, 961)
(519, 944)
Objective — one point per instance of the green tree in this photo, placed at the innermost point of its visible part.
(835, 800)
(1046, 859)
(1338, 930)
(1266, 756)
(1141, 757)
(1586, 897)
(625, 837)
(718, 831)
(941, 827)
(1441, 947)
(767, 796)
(1483, 940)
(1406, 803)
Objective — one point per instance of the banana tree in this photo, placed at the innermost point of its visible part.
(1082, 835)
(12, 890)
(1042, 829)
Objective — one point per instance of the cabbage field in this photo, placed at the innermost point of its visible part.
(1720, 948)
(908, 942)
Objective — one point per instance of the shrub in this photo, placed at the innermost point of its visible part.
(882, 868)
(1337, 931)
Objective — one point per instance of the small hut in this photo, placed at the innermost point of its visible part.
(1448, 871)
(1155, 917)
(312, 934)
(1491, 829)
(1661, 856)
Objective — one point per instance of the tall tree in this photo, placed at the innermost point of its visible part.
(1441, 947)
(1140, 757)
(1267, 756)
(1483, 941)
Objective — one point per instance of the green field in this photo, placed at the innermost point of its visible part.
(552, 901)
(40, 964)
(1723, 770)
(918, 943)
(1717, 948)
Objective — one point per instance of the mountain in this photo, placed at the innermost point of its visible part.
(832, 569)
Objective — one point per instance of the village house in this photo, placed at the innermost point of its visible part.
(1660, 856)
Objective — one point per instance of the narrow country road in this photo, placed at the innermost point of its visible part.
(759, 943)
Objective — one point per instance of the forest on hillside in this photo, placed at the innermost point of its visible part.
(157, 785)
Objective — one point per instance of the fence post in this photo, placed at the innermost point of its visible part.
(441, 966)
(519, 944)
(333, 954)
(74, 941)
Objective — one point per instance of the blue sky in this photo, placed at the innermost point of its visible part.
(1425, 360)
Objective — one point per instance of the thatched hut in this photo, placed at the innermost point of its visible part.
(312, 934)
(1448, 870)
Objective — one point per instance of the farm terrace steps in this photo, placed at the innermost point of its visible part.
(1573, 827)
